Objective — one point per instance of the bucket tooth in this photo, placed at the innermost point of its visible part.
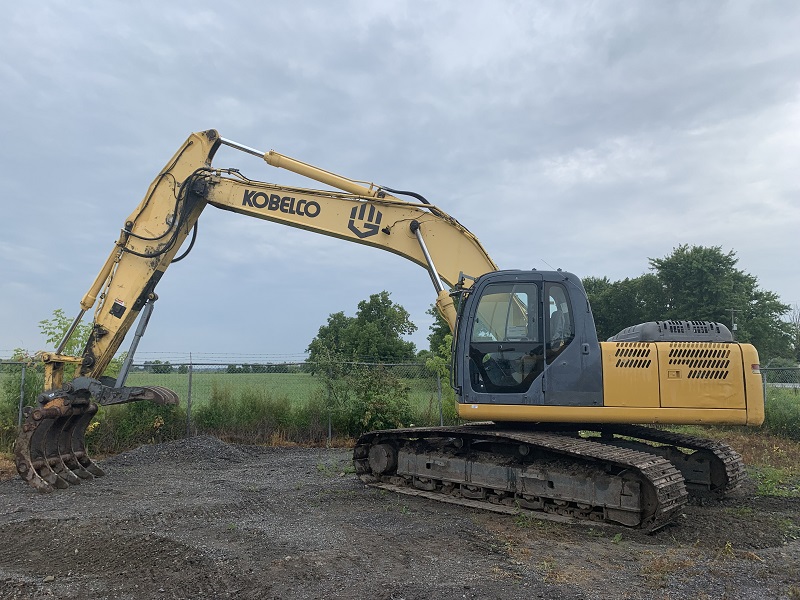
(65, 450)
(31, 451)
(77, 444)
(23, 458)
(52, 448)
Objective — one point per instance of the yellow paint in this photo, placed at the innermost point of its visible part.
(630, 374)
(600, 414)
(702, 383)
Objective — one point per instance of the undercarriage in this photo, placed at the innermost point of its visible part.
(633, 476)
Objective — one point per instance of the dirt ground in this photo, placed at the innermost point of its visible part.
(199, 518)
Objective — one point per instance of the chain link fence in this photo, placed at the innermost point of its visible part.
(338, 399)
(407, 392)
(781, 378)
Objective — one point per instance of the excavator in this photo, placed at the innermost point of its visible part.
(555, 422)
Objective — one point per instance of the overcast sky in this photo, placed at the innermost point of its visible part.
(588, 136)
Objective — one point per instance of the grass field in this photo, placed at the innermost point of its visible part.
(296, 387)
(773, 450)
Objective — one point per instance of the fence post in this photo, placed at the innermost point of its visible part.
(189, 400)
(330, 425)
(21, 397)
(764, 383)
(439, 396)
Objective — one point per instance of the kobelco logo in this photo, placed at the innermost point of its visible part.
(287, 204)
(368, 225)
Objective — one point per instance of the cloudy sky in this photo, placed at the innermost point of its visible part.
(588, 136)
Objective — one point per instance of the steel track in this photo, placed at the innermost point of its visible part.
(727, 469)
(663, 483)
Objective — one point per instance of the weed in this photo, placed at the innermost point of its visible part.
(598, 533)
(532, 520)
(776, 481)
(726, 551)
(551, 573)
(782, 413)
(328, 469)
(791, 531)
(741, 511)
(661, 567)
(525, 520)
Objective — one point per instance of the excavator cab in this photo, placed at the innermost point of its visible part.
(527, 337)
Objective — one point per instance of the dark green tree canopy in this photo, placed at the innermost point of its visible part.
(439, 329)
(374, 334)
(694, 282)
(620, 304)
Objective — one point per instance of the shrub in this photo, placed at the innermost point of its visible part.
(255, 416)
(782, 413)
(118, 428)
(365, 398)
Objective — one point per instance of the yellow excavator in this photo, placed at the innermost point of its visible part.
(558, 420)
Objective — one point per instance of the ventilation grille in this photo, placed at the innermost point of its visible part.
(705, 361)
(632, 355)
(691, 327)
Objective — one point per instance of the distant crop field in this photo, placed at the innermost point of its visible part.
(294, 386)
(289, 385)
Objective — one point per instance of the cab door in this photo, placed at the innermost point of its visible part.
(572, 375)
(500, 351)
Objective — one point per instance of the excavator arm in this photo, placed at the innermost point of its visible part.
(361, 213)
(50, 450)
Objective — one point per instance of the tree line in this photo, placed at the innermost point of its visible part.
(697, 283)
(691, 283)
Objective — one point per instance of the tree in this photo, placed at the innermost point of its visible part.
(694, 282)
(158, 367)
(703, 283)
(620, 304)
(55, 328)
(439, 329)
(794, 329)
(375, 333)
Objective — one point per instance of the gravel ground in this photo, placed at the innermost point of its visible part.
(199, 518)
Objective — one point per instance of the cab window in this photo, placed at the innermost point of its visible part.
(560, 329)
(506, 339)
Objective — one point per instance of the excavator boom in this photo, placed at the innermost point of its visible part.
(50, 445)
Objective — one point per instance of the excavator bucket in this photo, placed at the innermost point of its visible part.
(50, 451)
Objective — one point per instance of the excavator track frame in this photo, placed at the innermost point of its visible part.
(711, 468)
(568, 462)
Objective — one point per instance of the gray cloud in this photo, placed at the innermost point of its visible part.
(588, 136)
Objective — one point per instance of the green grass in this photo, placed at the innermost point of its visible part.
(783, 412)
(297, 387)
